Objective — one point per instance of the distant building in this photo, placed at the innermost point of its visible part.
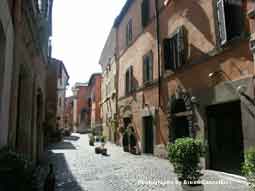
(109, 88)
(81, 107)
(57, 81)
(68, 116)
(95, 88)
(62, 79)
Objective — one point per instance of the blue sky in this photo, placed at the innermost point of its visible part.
(80, 29)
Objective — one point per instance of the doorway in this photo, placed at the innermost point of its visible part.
(180, 122)
(148, 135)
(225, 136)
(125, 141)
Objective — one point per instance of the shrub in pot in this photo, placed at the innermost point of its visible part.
(103, 139)
(104, 151)
(185, 155)
(98, 150)
(248, 168)
(91, 140)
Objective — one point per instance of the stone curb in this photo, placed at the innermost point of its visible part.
(228, 176)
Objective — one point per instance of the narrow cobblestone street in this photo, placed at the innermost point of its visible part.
(78, 168)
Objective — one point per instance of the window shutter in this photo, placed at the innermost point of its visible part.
(127, 35)
(145, 12)
(144, 69)
(221, 22)
(181, 47)
(127, 82)
(167, 52)
(150, 66)
(131, 85)
(130, 30)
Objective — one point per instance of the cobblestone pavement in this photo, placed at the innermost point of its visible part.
(78, 168)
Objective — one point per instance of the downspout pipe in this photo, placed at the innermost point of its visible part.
(158, 52)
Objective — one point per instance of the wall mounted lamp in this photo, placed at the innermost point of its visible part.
(241, 91)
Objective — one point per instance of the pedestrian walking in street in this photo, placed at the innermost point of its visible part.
(50, 182)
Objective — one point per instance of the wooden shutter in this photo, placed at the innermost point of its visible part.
(150, 67)
(131, 84)
(144, 68)
(182, 47)
(168, 54)
(221, 22)
(127, 35)
(130, 31)
(127, 82)
(174, 52)
(145, 12)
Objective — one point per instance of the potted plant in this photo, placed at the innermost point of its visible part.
(185, 155)
(248, 168)
(91, 140)
(125, 141)
(98, 150)
(103, 149)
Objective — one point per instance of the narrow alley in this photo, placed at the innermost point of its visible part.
(78, 168)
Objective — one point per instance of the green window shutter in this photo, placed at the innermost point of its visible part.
(127, 82)
(182, 47)
(144, 69)
(221, 21)
(174, 52)
(131, 85)
(127, 35)
(150, 66)
(145, 12)
(167, 53)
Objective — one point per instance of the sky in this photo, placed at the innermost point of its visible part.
(80, 30)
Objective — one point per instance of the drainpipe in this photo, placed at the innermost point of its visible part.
(159, 63)
(158, 52)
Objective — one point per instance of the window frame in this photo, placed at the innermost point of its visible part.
(180, 48)
(148, 64)
(145, 12)
(129, 32)
(221, 43)
(129, 81)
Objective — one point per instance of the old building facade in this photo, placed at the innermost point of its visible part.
(68, 115)
(57, 81)
(108, 64)
(185, 69)
(27, 28)
(62, 81)
(6, 68)
(138, 101)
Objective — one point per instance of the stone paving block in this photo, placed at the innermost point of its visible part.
(80, 169)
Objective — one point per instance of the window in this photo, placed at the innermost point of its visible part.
(229, 14)
(175, 50)
(59, 101)
(145, 12)
(148, 67)
(129, 80)
(129, 32)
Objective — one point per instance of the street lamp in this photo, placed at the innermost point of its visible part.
(214, 74)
